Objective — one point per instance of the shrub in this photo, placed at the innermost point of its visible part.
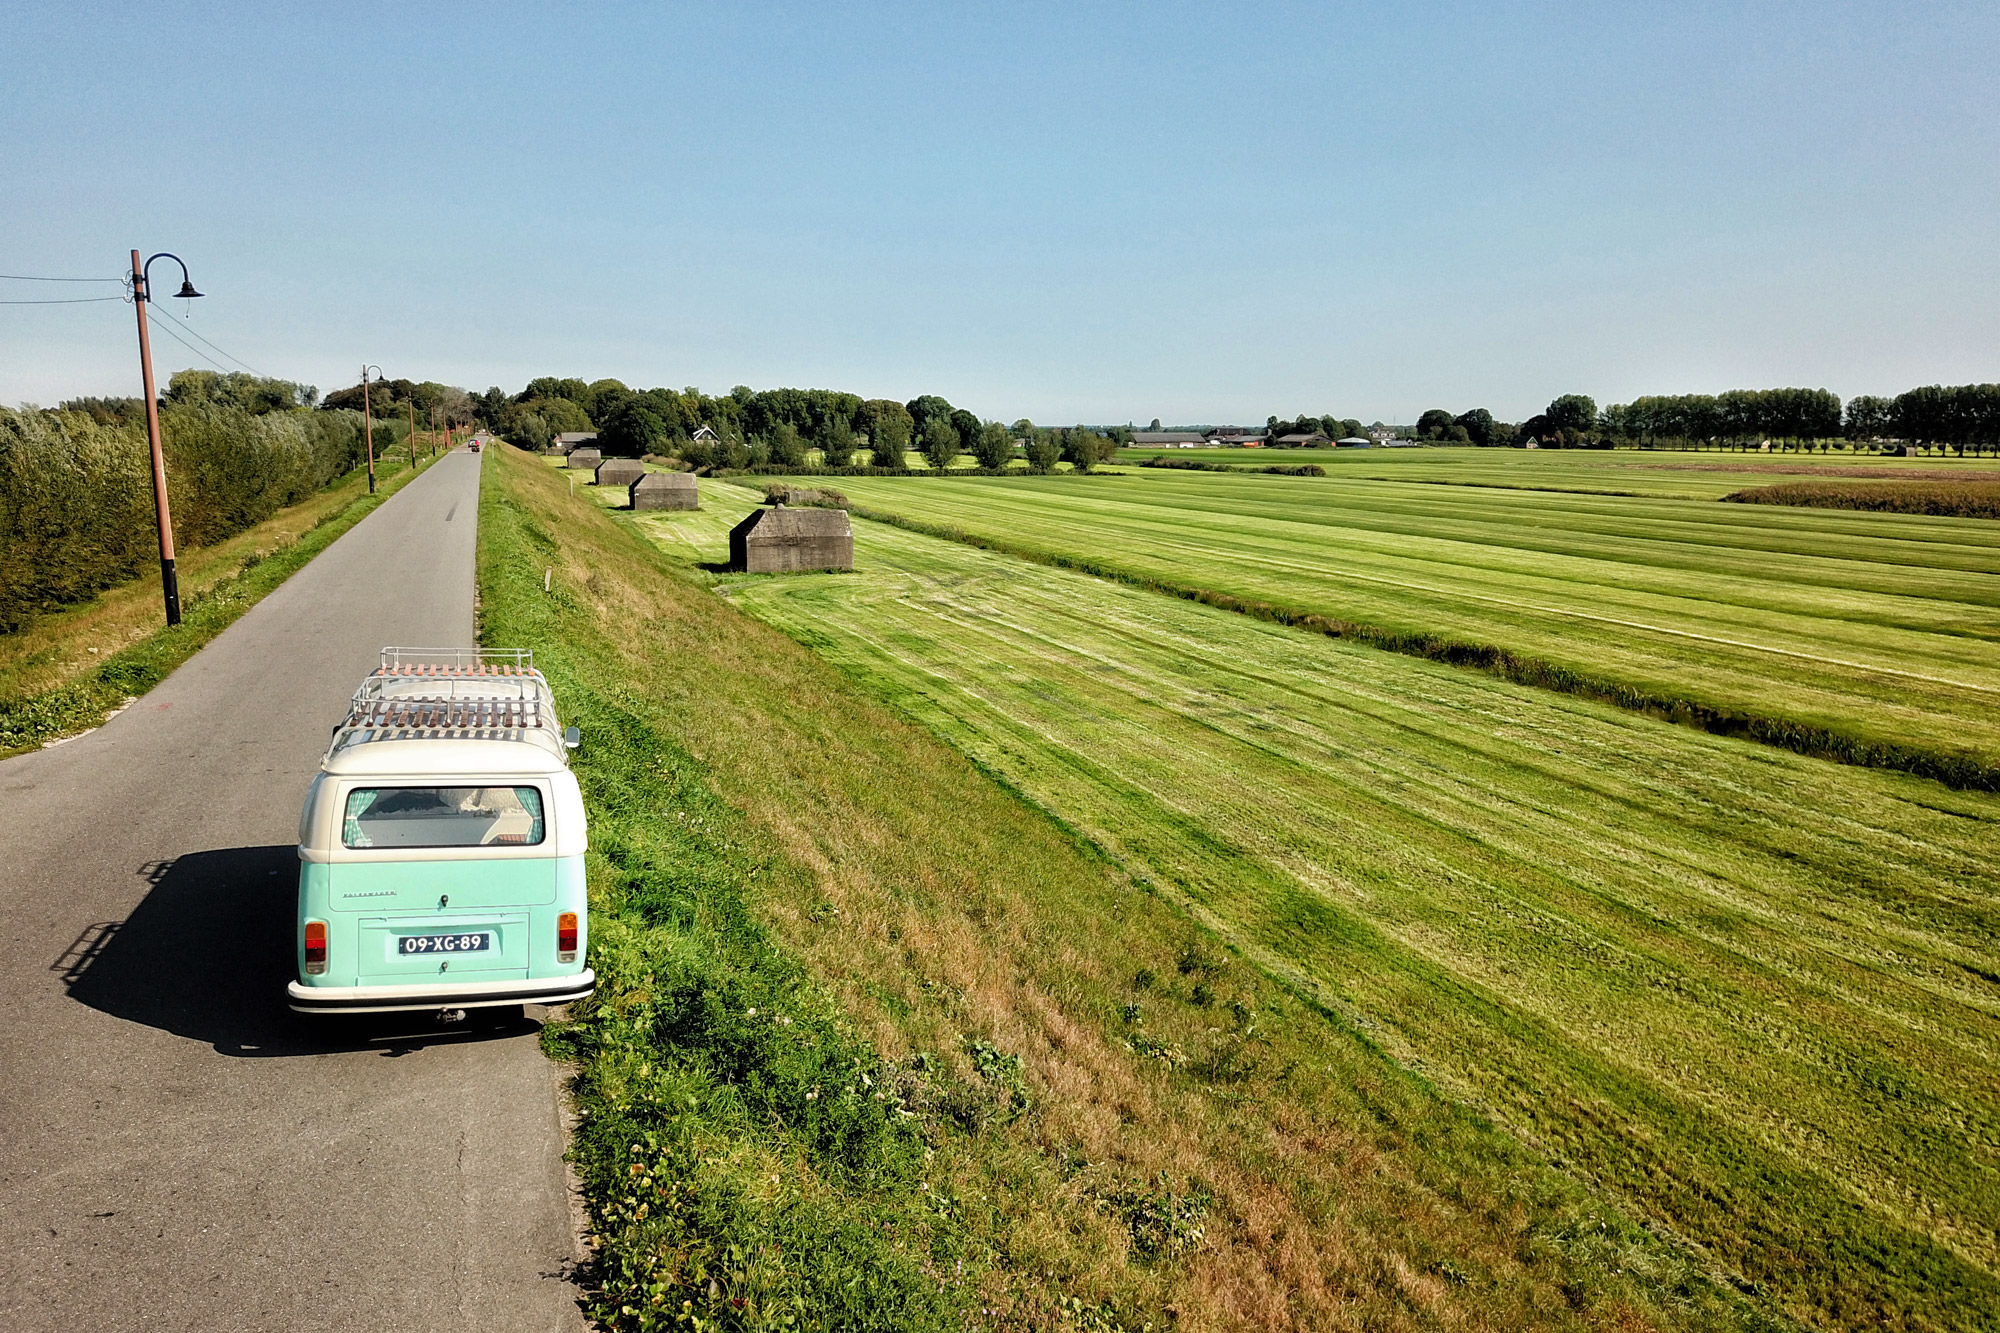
(76, 504)
(1947, 499)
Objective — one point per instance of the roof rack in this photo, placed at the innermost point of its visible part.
(458, 661)
(453, 694)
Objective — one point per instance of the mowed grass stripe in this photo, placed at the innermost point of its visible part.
(1751, 992)
(1704, 475)
(1857, 672)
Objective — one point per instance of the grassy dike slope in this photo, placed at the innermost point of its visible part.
(65, 671)
(877, 1044)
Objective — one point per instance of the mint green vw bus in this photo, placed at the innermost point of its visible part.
(441, 845)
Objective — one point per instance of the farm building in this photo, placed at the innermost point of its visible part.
(780, 540)
(1168, 439)
(571, 439)
(619, 471)
(1355, 442)
(1235, 437)
(665, 490)
(589, 457)
(1302, 440)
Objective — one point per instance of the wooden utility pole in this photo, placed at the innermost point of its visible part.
(413, 433)
(170, 584)
(368, 429)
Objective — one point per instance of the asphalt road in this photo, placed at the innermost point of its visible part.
(177, 1149)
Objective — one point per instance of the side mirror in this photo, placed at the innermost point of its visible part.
(571, 738)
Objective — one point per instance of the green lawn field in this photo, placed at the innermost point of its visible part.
(1198, 1149)
(1753, 995)
(1690, 475)
(1874, 630)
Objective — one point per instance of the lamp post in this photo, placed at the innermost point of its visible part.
(368, 423)
(170, 584)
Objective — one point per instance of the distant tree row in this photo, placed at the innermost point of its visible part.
(782, 427)
(1334, 428)
(1739, 414)
(1963, 417)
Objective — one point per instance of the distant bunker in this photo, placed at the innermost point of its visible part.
(589, 456)
(665, 490)
(619, 471)
(783, 541)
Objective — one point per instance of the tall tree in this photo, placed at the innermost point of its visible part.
(837, 444)
(788, 447)
(1044, 446)
(940, 443)
(633, 429)
(1573, 412)
(1478, 426)
(994, 446)
(889, 430)
(1434, 424)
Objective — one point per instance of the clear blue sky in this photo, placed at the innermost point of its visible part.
(1074, 211)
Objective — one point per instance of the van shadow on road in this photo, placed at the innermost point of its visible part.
(207, 954)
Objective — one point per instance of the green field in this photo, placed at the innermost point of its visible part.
(1200, 1150)
(1868, 634)
(1704, 475)
(1752, 994)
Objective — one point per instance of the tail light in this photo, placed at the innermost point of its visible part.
(566, 938)
(315, 948)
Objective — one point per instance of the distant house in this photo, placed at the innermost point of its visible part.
(1382, 434)
(1168, 439)
(571, 439)
(706, 435)
(1303, 440)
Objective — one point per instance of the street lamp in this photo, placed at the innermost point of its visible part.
(368, 421)
(170, 585)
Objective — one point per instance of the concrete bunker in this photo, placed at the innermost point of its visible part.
(779, 540)
(665, 490)
(619, 471)
(589, 456)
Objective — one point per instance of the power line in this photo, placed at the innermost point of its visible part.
(73, 300)
(168, 329)
(29, 277)
(212, 347)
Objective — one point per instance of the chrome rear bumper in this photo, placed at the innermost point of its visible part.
(464, 995)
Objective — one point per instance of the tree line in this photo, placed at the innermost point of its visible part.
(76, 486)
(1960, 417)
(778, 428)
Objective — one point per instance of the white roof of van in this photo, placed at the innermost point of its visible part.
(432, 758)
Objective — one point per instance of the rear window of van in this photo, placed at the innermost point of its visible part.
(442, 817)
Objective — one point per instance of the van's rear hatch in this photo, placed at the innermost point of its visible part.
(460, 883)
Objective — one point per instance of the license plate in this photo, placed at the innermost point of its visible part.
(464, 942)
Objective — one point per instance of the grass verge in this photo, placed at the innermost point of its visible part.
(214, 596)
(879, 1044)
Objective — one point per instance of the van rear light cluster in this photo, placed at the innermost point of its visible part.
(315, 948)
(566, 938)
